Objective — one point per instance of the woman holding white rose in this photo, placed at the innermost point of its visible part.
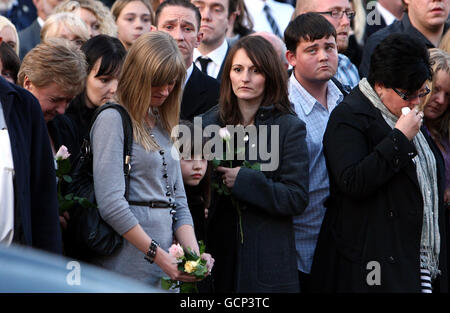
(250, 231)
(156, 210)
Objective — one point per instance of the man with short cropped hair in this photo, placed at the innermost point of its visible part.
(339, 14)
(312, 52)
(181, 19)
(217, 17)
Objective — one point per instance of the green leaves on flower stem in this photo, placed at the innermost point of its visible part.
(67, 178)
(202, 247)
(167, 283)
(254, 166)
(215, 163)
(64, 167)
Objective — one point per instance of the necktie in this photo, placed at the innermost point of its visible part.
(204, 63)
(271, 21)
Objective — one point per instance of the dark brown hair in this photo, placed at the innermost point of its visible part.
(205, 184)
(265, 59)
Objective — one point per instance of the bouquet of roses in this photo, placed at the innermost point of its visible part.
(188, 262)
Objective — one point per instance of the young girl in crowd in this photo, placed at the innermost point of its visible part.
(104, 56)
(156, 209)
(196, 178)
(133, 18)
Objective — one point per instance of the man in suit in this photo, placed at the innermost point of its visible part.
(424, 20)
(31, 36)
(181, 19)
(384, 13)
(216, 17)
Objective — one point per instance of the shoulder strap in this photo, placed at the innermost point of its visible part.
(343, 88)
(128, 138)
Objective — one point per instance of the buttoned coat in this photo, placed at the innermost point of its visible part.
(266, 260)
(370, 236)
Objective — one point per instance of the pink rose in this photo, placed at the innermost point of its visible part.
(62, 153)
(176, 251)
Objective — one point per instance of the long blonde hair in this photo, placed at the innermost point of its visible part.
(153, 60)
(440, 61)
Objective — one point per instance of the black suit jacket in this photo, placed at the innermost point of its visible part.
(29, 38)
(36, 221)
(200, 94)
(371, 29)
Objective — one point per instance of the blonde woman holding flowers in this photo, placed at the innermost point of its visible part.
(150, 89)
(250, 231)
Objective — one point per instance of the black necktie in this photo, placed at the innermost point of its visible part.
(271, 21)
(204, 63)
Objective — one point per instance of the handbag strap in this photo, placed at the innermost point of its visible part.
(128, 138)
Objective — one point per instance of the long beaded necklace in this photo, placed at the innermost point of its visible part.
(169, 191)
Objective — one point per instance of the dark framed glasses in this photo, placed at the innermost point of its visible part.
(407, 97)
(338, 14)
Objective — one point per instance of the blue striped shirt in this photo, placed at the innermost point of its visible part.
(347, 73)
(315, 115)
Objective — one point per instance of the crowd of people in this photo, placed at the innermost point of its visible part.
(306, 143)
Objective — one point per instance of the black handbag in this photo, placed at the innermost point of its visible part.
(87, 235)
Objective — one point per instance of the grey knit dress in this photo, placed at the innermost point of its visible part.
(146, 184)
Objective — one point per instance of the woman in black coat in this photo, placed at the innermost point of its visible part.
(254, 251)
(384, 229)
(104, 56)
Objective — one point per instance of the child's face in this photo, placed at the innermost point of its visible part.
(193, 170)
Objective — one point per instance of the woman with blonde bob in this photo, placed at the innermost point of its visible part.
(94, 13)
(65, 25)
(9, 33)
(150, 89)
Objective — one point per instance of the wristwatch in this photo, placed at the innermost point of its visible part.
(151, 253)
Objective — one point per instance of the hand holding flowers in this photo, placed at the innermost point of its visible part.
(192, 268)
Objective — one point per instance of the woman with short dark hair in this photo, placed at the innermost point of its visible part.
(250, 231)
(104, 56)
(384, 229)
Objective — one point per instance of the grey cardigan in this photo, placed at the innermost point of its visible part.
(146, 184)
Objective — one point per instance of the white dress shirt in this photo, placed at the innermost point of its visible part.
(6, 185)
(388, 17)
(281, 12)
(188, 74)
(217, 56)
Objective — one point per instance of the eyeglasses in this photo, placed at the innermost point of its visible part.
(407, 97)
(338, 14)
